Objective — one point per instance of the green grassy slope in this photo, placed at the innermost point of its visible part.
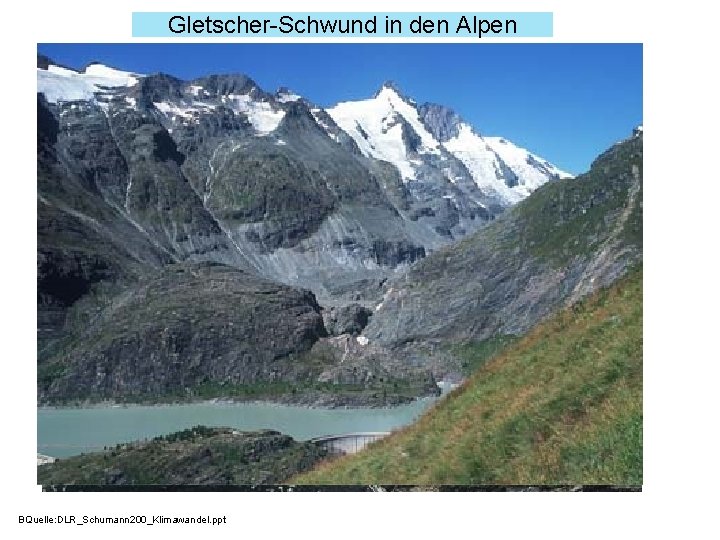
(562, 405)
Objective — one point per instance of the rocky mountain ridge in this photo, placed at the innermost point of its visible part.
(315, 194)
(170, 212)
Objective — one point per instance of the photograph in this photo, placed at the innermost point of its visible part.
(338, 266)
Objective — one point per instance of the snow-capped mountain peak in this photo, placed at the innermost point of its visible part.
(392, 127)
(386, 127)
(389, 87)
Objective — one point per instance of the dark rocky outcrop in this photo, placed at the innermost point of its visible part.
(231, 84)
(395, 253)
(441, 121)
(195, 456)
(350, 319)
(188, 326)
(157, 88)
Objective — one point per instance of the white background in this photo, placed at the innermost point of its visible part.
(681, 301)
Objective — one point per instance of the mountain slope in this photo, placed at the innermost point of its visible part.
(563, 405)
(565, 240)
(187, 327)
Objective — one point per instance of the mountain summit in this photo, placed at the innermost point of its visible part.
(431, 144)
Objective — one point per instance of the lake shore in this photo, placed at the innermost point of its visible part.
(310, 400)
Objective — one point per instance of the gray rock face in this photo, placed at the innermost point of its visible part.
(386, 378)
(441, 121)
(350, 319)
(187, 326)
(83, 238)
(157, 88)
(285, 198)
(231, 84)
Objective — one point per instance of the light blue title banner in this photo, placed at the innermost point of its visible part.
(278, 25)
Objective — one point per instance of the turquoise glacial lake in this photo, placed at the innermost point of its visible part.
(63, 432)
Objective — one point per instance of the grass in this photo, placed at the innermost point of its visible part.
(569, 217)
(387, 392)
(286, 390)
(562, 405)
(48, 372)
(473, 355)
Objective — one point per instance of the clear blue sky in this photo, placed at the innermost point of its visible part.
(565, 102)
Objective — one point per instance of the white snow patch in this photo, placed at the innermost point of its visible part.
(186, 111)
(57, 87)
(384, 299)
(288, 97)
(113, 77)
(62, 84)
(195, 90)
(362, 340)
(173, 110)
(531, 170)
(260, 113)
